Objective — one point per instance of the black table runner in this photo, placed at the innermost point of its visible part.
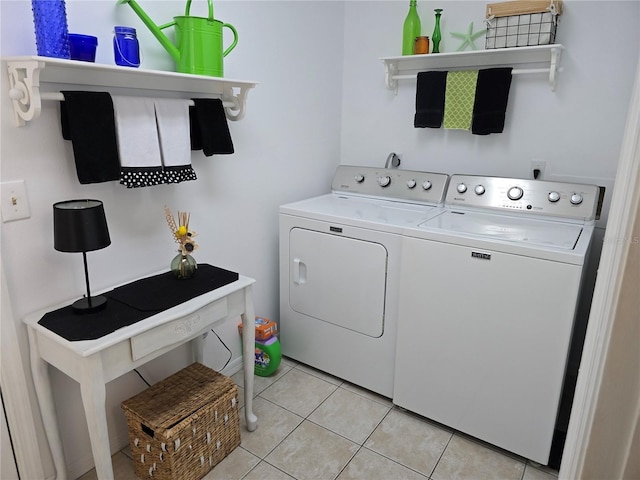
(136, 301)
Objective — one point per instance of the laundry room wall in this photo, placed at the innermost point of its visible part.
(286, 147)
(576, 130)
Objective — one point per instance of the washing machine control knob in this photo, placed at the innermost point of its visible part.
(426, 185)
(515, 193)
(411, 183)
(479, 189)
(384, 181)
(461, 188)
(576, 199)
(359, 178)
(553, 197)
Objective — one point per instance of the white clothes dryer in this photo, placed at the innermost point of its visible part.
(488, 297)
(339, 270)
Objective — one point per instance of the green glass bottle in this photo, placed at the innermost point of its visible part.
(411, 29)
(437, 36)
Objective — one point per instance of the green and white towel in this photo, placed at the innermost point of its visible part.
(459, 98)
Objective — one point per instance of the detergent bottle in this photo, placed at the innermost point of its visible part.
(267, 347)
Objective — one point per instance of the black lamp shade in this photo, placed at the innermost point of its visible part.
(80, 226)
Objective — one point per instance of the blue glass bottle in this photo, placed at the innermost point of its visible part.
(50, 22)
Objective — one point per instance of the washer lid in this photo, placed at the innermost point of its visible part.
(508, 229)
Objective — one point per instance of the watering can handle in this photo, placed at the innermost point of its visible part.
(188, 7)
(235, 38)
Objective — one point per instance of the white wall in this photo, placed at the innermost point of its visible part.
(577, 129)
(321, 101)
(8, 469)
(287, 147)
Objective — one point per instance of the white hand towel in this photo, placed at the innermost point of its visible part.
(138, 145)
(172, 116)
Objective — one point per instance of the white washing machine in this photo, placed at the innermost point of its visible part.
(488, 296)
(339, 270)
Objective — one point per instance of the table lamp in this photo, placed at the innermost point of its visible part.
(81, 226)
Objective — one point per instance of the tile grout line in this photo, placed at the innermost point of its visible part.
(263, 459)
(441, 455)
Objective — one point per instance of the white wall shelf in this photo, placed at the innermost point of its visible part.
(28, 74)
(546, 59)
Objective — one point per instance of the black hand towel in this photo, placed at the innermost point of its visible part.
(430, 90)
(490, 105)
(209, 128)
(194, 129)
(87, 120)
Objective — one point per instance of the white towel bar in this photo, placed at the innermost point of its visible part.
(53, 96)
(521, 71)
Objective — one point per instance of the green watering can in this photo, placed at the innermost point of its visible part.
(199, 47)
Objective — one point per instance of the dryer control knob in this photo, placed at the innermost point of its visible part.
(461, 188)
(515, 193)
(479, 189)
(359, 178)
(411, 183)
(384, 181)
(576, 199)
(426, 185)
(553, 197)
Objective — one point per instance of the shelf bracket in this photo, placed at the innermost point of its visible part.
(390, 70)
(24, 90)
(239, 100)
(554, 67)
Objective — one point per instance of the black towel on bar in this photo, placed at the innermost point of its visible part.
(430, 90)
(209, 128)
(87, 120)
(194, 129)
(490, 105)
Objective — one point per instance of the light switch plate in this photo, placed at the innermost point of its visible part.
(14, 202)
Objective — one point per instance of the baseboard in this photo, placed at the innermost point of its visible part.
(233, 367)
(82, 465)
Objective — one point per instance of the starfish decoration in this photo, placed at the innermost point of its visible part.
(468, 38)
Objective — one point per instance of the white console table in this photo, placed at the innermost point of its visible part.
(93, 363)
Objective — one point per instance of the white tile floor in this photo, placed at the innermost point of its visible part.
(314, 426)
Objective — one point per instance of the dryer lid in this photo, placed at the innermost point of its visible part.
(383, 215)
(509, 229)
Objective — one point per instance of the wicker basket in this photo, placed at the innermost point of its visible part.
(183, 426)
(522, 23)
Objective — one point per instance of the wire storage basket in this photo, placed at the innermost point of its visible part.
(522, 23)
(182, 427)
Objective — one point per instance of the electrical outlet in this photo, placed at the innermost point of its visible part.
(537, 169)
(14, 203)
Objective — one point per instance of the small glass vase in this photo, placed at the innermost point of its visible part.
(183, 266)
(437, 36)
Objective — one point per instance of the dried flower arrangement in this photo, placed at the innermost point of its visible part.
(183, 265)
(181, 233)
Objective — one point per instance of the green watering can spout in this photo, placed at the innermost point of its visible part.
(198, 48)
(155, 29)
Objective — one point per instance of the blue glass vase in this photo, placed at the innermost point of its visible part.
(52, 33)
